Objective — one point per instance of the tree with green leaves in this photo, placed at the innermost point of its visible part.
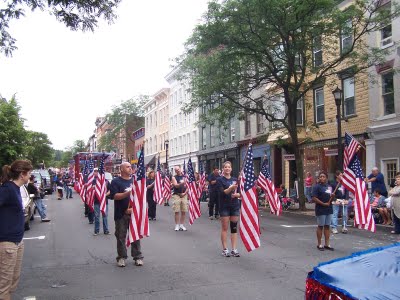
(78, 146)
(75, 14)
(256, 56)
(123, 120)
(38, 148)
(12, 132)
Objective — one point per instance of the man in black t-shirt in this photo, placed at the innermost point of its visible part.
(121, 188)
(214, 199)
(179, 199)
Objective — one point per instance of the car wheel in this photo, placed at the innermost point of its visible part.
(27, 226)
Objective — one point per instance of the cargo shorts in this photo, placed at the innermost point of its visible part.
(179, 204)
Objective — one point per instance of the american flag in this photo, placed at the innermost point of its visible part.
(184, 173)
(82, 191)
(77, 184)
(353, 180)
(194, 205)
(167, 193)
(158, 185)
(202, 182)
(249, 221)
(350, 149)
(139, 223)
(265, 182)
(89, 186)
(101, 186)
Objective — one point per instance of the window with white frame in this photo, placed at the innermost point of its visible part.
(221, 135)
(317, 51)
(212, 135)
(387, 93)
(155, 143)
(184, 143)
(390, 168)
(204, 137)
(349, 105)
(300, 112)
(188, 142)
(319, 105)
(195, 139)
(247, 124)
(278, 109)
(386, 29)
(232, 130)
(180, 145)
(155, 118)
(346, 36)
(260, 118)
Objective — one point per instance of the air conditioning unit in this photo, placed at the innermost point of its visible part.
(204, 146)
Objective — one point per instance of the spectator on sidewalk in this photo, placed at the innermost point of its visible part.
(33, 190)
(378, 203)
(67, 186)
(60, 187)
(340, 203)
(322, 197)
(308, 182)
(12, 222)
(213, 203)
(395, 202)
(96, 206)
(121, 189)
(377, 181)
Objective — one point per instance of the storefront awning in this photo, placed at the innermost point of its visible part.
(279, 134)
(150, 160)
(218, 149)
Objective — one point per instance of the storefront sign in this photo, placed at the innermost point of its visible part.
(289, 157)
(331, 152)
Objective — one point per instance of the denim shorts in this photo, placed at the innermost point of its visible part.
(324, 220)
(229, 209)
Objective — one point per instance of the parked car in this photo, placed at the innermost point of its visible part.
(46, 181)
(39, 182)
(28, 205)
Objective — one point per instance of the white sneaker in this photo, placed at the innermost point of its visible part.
(226, 253)
(176, 227)
(139, 262)
(334, 230)
(121, 262)
(182, 228)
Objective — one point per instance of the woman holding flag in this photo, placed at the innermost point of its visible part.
(229, 208)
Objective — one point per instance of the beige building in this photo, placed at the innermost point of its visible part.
(157, 126)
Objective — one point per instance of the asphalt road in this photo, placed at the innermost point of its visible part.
(63, 260)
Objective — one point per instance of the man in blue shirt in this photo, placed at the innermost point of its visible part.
(377, 181)
(120, 192)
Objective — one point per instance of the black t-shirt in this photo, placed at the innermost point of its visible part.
(222, 184)
(118, 185)
(181, 189)
(322, 192)
(213, 187)
(150, 191)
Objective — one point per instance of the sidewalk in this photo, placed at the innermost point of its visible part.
(310, 211)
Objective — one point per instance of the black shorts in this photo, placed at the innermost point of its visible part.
(231, 209)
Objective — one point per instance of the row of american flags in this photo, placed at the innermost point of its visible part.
(250, 232)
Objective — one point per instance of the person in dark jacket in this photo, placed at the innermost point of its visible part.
(150, 196)
(12, 221)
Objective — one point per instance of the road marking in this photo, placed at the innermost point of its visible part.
(42, 237)
(298, 226)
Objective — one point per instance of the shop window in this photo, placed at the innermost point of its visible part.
(349, 106)
(319, 105)
(212, 135)
(387, 93)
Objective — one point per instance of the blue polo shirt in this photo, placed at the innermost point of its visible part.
(379, 183)
(12, 217)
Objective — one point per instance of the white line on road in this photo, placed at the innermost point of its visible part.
(42, 237)
(298, 226)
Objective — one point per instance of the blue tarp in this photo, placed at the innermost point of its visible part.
(371, 274)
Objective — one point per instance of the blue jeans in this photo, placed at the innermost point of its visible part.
(97, 214)
(40, 208)
(336, 208)
(396, 222)
(68, 191)
(307, 192)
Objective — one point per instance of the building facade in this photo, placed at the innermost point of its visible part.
(183, 131)
(156, 123)
(384, 101)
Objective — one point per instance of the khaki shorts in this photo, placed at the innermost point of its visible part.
(179, 204)
(10, 267)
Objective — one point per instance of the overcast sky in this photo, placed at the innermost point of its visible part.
(63, 79)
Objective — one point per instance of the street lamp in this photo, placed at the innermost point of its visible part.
(337, 94)
(166, 143)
